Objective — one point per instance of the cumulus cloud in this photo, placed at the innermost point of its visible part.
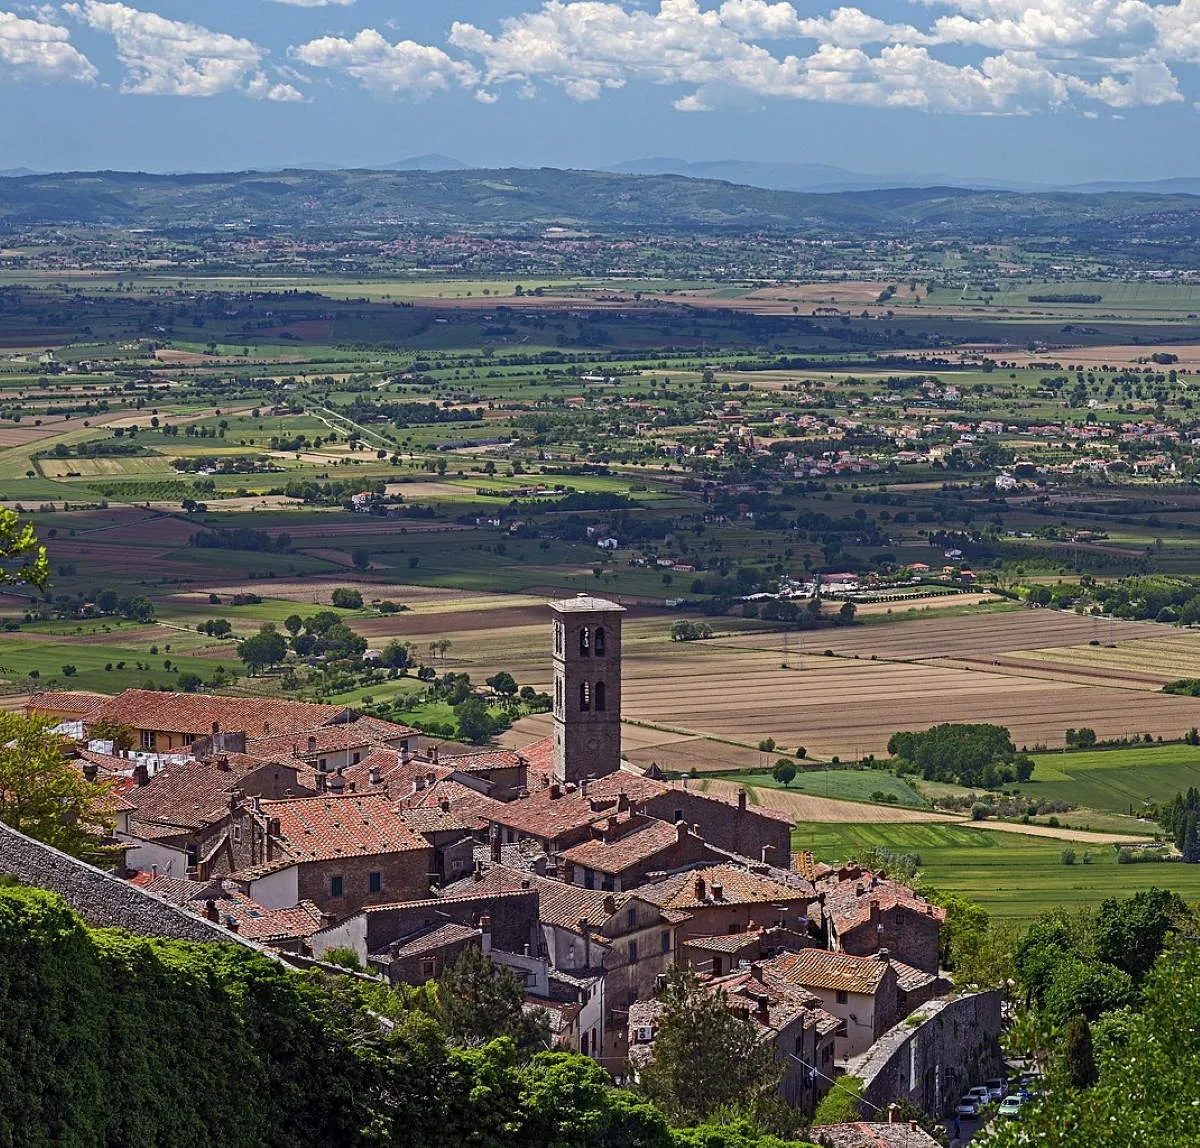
(38, 48)
(371, 59)
(165, 57)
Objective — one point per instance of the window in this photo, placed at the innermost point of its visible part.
(842, 996)
(666, 941)
(237, 833)
(585, 696)
(374, 882)
(428, 969)
(633, 952)
(678, 817)
(558, 695)
(585, 645)
(324, 763)
(598, 641)
(335, 886)
(149, 737)
(357, 759)
(631, 917)
(600, 699)
(558, 638)
(193, 856)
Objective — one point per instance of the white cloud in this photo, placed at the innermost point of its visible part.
(1009, 56)
(37, 48)
(165, 57)
(371, 59)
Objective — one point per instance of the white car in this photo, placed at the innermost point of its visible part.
(995, 1088)
(968, 1107)
(981, 1095)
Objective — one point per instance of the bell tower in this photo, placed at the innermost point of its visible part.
(587, 687)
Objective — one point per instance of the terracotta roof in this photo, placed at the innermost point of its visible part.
(473, 807)
(539, 761)
(193, 793)
(196, 713)
(848, 902)
(366, 731)
(434, 819)
(547, 817)
(634, 845)
(635, 787)
(737, 887)
(74, 703)
(398, 775)
(439, 938)
(326, 828)
(725, 942)
(822, 969)
(255, 922)
(488, 759)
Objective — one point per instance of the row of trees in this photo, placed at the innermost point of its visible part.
(971, 754)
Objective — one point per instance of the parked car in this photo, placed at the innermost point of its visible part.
(1011, 1106)
(995, 1087)
(982, 1096)
(968, 1106)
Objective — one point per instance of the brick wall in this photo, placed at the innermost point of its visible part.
(726, 825)
(404, 877)
(910, 936)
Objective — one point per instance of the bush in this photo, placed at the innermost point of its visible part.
(981, 811)
(1067, 856)
(346, 599)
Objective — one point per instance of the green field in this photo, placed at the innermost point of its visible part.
(1013, 877)
(846, 784)
(1118, 780)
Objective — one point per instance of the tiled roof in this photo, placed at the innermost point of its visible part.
(255, 921)
(561, 904)
(725, 942)
(345, 736)
(74, 703)
(539, 761)
(434, 819)
(634, 846)
(909, 978)
(584, 604)
(635, 787)
(398, 775)
(439, 938)
(848, 902)
(196, 713)
(863, 1135)
(192, 793)
(473, 807)
(822, 969)
(737, 886)
(488, 759)
(546, 817)
(326, 828)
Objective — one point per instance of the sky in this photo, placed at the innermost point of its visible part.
(1039, 91)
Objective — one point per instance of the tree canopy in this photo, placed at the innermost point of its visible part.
(967, 753)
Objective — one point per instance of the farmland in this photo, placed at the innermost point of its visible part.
(1014, 877)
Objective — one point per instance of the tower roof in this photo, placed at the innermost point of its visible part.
(586, 604)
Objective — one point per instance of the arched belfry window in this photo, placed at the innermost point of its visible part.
(585, 696)
(598, 641)
(585, 644)
(558, 638)
(601, 700)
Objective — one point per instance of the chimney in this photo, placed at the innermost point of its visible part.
(90, 771)
(660, 983)
(610, 904)
(681, 830)
(223, 763)
(496, 844)
(875, 914)
(216, 729)
(583, 787)
(699, 889)
(433, 754)
(210, 911)
(741, 801)
(141, 774)
(756, 970)
(525, 883)
(622, 801)
(322, 783)
(353, 787)
(555, 791)
(231, 924)
(884, 956)
(375, 774)
(312, 744)
(763, 1011)
(337, 783)
(485, 923)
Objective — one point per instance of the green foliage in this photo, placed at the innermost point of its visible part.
(22, 559)
(971, 754)
(706, 1060)
(42, 796)
(1078, 1058)
(266, 648)
(840, 1104)
(1148, 1062)
(1130, 934)
(475, 724)
(345, 598)
(1180, 817)
(784, 771)
(1088, 988)
(685, 630)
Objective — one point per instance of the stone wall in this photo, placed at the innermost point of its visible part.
(933, 1056)
(101, 899)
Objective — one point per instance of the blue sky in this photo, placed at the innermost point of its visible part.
(1041, 91)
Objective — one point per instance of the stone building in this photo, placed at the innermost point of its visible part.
(587, 687)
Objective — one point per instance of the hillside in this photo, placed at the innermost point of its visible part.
(515, 200)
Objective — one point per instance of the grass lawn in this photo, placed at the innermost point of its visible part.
(1011, 876)
(846, 784)
(1116, 780)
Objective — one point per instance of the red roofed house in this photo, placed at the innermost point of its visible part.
(341, 853)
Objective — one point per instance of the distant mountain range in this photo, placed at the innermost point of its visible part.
(526, 202)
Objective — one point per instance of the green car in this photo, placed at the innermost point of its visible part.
(1011, 1107)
